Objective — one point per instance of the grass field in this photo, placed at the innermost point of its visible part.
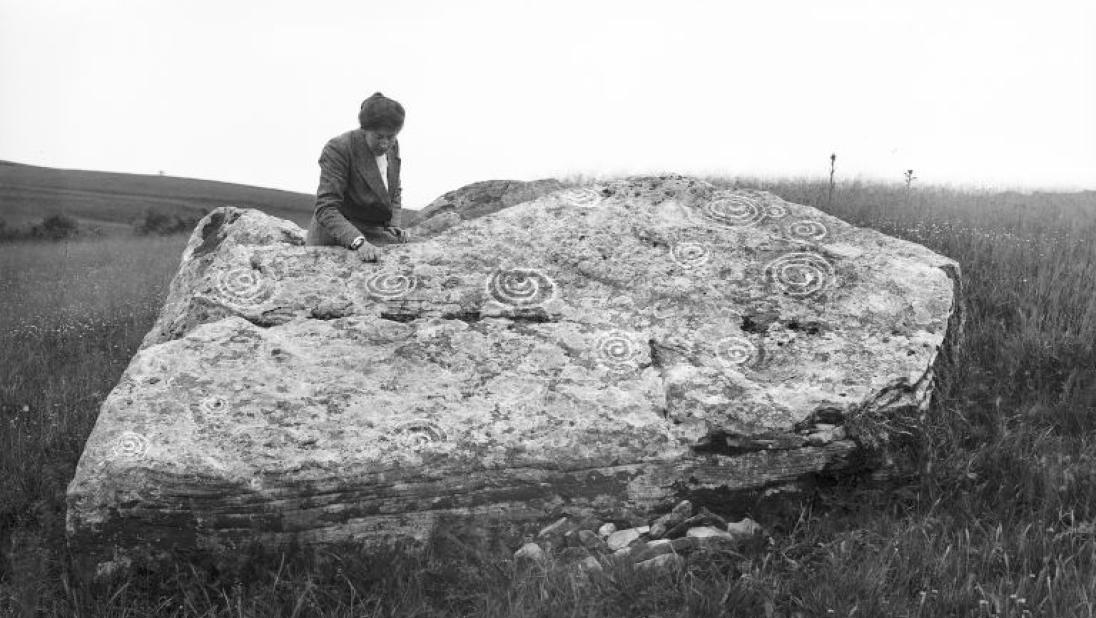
(111, 201)
(1002, 521)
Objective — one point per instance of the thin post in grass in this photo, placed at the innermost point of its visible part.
(909, 182)
(829, 199)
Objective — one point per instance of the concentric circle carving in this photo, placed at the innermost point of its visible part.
(736, 210)
(735, 351)
(800, 273)
(244, 286)
(388, 286)
(807, 229)
(521, 287)
(690, 254)
(213, 406)
(130, 445)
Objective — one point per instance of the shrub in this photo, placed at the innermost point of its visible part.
(56, 227)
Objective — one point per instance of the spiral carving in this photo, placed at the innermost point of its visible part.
(690, 254)
(521, 287)
(800, 273)
(776, 211)
(418, 432)
(387, 286)
(131, 445)
(617, 350)
(734, 351)
(583, 197)
(737, 210)
(806, 229)
(244, 286)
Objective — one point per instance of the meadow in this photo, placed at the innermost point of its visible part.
(1001, 520)
(108, 203)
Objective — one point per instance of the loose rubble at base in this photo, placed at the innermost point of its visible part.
(665, 544)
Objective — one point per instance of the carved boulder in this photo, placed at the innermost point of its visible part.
(609, 349)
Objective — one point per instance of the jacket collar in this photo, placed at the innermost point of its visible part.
(365, 164)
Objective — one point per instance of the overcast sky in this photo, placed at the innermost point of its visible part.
(981, 93)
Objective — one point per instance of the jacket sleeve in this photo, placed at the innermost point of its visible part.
(397, 192)
(334, 172)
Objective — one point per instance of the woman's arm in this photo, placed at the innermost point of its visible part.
(334, 172)
(397, 189)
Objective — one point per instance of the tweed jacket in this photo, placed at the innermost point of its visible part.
(351, 194)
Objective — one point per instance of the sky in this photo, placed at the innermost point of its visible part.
(969, 93)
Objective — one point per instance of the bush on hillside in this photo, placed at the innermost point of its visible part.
(12, 232)
(53, 227)
(56, 227)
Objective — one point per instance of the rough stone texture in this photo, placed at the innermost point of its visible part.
(473, 201)
(622, 538)
(530, 551)
(705, 532)
(663, 562)
(745, 528)
(604, 350)
(678, 514)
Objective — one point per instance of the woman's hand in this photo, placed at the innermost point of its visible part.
(401, 234)
(367, 252)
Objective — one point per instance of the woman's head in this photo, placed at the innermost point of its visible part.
(381, 118)
(379, 113)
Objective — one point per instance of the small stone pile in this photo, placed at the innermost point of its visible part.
(661, 545)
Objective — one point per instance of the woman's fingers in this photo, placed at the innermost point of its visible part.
(367, 253)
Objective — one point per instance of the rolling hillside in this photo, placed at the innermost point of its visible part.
(112, 201)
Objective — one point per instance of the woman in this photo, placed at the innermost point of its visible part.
(358, 201)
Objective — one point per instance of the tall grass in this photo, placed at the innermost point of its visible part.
(71, 315)
(1002, 521)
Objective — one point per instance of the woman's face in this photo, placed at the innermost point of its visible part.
(380, 141)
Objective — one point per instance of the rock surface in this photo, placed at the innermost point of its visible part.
(475, 200)
(623, 538)
(597, 349)
(744, 529)
(663, 562)
(530, 551)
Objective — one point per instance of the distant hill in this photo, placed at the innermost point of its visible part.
(113, 201)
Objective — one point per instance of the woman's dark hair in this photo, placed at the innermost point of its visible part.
(379, 113)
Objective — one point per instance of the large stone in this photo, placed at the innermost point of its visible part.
(475, 200)
(600, 350)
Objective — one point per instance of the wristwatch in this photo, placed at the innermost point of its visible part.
(358, 242)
